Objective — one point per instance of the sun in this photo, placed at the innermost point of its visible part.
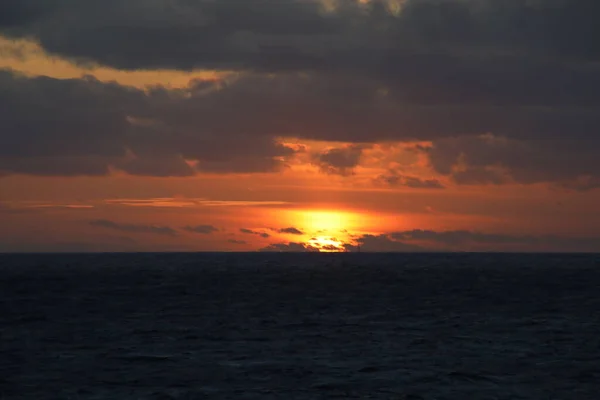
(326, 244)
(324, 230)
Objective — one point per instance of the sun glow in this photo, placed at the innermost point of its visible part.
(325, 230)
(328, 230)
(326, 244)
(325, 221)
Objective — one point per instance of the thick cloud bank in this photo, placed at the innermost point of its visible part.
(505, 90)
(301, 34)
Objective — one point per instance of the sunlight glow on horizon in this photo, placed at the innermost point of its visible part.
(326, 244)
(329, 221)
(327, 230)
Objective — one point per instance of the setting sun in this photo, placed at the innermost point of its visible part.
(327, 230)
(326, 244)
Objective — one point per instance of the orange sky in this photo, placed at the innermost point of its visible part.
(313, 163)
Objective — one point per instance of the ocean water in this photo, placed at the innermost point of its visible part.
(299, 326)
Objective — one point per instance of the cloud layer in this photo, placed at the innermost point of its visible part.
(300, 34)
(86, 127)
(505, 91)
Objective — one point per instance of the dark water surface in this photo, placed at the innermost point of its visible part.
(299, 326)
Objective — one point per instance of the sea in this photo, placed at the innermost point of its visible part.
(299, 326)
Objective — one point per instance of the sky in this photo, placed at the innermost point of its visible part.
(299, 125)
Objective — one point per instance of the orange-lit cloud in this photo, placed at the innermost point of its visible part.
(30, 59)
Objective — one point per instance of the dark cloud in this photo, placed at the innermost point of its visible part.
(342, 107)
(463, 240)
(45, 117)
(202, 229)
(86, 127)
(174, 165)
(291, 247)
(450, 52)
(291, 230)
(381, 243)
(57, 247)
(472, 240)
(339, 161)
(491, 159)
(14, 13)
(460, 240)
(299, 34)
(185, 35)
(235, 241)
(455, 237)
(582, 184)
(134, 228)
(395, 178)
(447, 71)
(251, 232)
(435, 52)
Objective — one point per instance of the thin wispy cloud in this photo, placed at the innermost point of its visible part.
(252, 232)
(291, 231)
(190, 202)
(134, 228)
(202, 229)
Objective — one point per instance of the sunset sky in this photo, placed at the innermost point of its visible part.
(292, 125)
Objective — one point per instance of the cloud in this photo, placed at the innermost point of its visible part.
(419, 240)
(60, 247)
(582, 184)
(134, 228)
(339, 161)
(184, 202)
(291, 247)
(8, 208)
(492, 159)
(161, 166)
(29, 207)
(442, 71)
(381, 243)
(199, 34)
(454, 237)
(473, 240)
(394, 178)
(291, 231)
(75, 127)
(86, 127)
(251, 232)
(202, 229)
(367, 243)
(300, 35)
(235, 241)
